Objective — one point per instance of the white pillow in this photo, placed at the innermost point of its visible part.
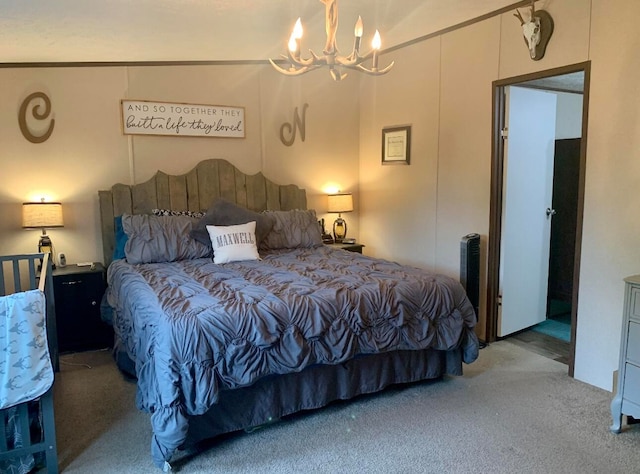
(233, 243)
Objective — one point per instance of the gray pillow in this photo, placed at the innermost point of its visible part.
(223, 212)
(155, 239)
(293, 229)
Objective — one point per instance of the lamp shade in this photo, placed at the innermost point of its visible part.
(41, 215)
(340, 203)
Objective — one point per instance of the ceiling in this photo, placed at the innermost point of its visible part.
(573, 82)
(209, 30)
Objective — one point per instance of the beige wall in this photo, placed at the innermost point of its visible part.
(399, 202)
(610, 247)
(414, 214)
(87, 150)
(328, 158)
(231, 86)
(446, 187)
(84, 153)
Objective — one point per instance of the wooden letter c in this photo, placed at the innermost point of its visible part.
(22, 117)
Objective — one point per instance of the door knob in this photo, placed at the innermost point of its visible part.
(550, 212)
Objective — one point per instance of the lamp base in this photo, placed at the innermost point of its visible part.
(339, 230)
(46, 246)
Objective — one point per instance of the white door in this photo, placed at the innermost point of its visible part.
(526, 212)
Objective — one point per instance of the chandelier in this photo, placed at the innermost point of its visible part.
(299, 65)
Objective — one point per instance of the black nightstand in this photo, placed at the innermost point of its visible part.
(350, 247)
(78, 292)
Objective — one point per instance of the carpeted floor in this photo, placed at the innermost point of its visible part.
(512, 412)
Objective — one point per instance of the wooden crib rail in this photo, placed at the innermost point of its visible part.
(43, 274)
(20, 273)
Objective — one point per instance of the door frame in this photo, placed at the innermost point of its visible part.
(495, 209)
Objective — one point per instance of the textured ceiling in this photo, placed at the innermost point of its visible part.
(202, 30)
(573, 82)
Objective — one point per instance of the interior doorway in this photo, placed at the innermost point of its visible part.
(556, 291)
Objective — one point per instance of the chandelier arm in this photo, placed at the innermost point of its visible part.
(349, 61)
(355, 58)
(376, 72)
(336, 74)
(314, 60)
(292, 71)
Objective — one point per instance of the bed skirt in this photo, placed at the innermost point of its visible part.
(274, 397)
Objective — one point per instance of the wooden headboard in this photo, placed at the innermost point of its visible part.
(194, 191)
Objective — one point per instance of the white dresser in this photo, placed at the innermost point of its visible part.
(627, 399)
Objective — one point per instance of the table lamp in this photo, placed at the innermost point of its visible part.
(42, 215)
(339, 203)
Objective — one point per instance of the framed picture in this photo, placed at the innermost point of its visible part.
(396, 145)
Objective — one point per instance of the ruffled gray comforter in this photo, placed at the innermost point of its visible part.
(194, 328)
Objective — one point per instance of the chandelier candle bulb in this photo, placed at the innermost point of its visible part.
(297, 29)
(294, 41)
(358, 34)
(293, 45)
(375, 44)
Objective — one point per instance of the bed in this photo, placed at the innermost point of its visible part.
(222, 338)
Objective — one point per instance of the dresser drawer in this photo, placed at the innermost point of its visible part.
(631, 389)
(634, 310)
(633, 343)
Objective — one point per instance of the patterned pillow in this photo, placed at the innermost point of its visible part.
(292, 229)
(168, 212)
(233, 243)
(223, 212)
(155, 239)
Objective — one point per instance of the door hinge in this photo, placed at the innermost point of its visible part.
(504, 133)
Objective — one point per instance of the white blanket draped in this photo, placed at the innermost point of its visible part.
(25, 365)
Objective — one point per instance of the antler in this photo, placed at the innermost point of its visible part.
(519, 17)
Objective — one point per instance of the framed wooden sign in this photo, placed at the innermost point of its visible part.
(396, 145)
(143, 117)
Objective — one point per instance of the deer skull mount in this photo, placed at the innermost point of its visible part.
(537, 31)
